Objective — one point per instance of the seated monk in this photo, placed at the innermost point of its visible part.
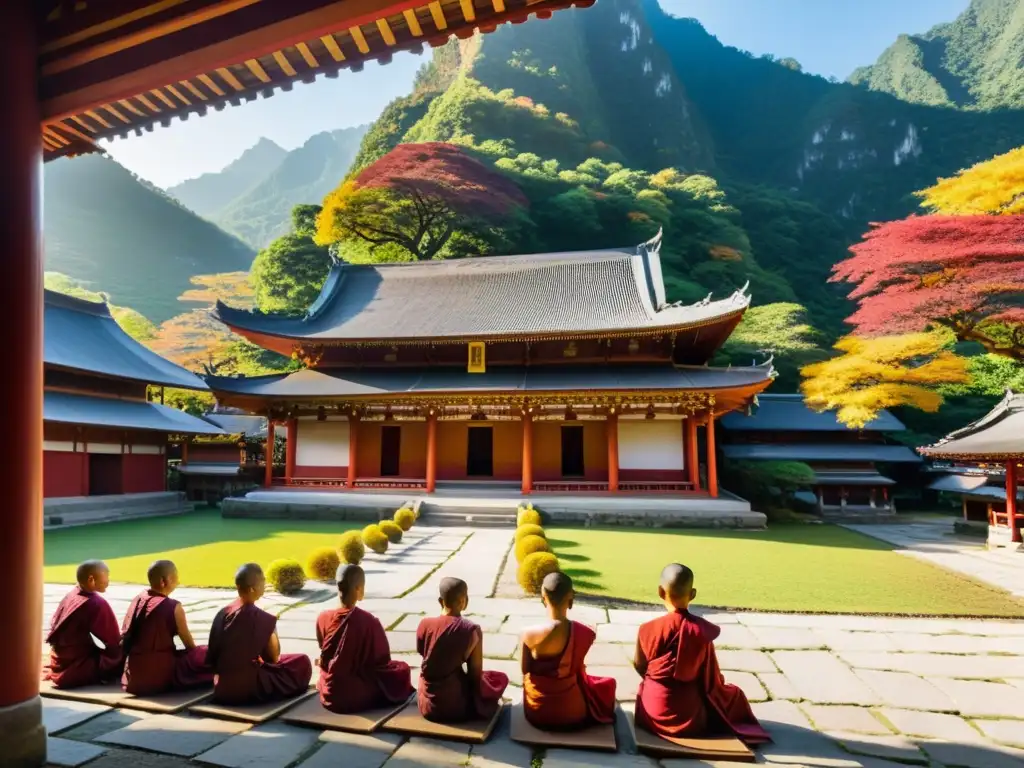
(683, 693)
(82, 619)
(447, 692)
(152, 664)
(245, 652)
(356, 670)
(558, 694)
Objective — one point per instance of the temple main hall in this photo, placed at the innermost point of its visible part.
(558, 373)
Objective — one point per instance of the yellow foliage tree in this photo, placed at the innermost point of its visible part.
(882, 372)
(993, 186)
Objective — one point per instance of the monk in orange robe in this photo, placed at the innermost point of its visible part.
(245, 651)
(683, 693)
(85, 644)
(152, 664)
(558, 694)
(356, 670)
(448, 693)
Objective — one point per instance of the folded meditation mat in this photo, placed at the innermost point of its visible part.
(249, 713)
(601, 737)
(311, 713)
(112, 695)
(724, 748)
(411, 723)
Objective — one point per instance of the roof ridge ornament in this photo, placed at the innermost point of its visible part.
(654, 244)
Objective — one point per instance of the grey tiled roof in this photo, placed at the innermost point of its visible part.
(820, 452)
(238, 424)
(531, 295)
(1000, 432)
(368, 382)
(851, 478)
(973, 486)
(66, 408)
(81, 335)
(789, 413)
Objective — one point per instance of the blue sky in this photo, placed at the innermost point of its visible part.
(828, 37)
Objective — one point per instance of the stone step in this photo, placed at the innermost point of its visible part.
(143, 501)
(469, 517)
(65, 519)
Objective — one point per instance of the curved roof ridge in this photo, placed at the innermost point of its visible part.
(75, 303)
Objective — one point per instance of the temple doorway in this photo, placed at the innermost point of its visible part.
(572, 451)
(480, 452)
(104, 474)
(390, 451)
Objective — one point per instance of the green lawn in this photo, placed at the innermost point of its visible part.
(787, 568)
(206, 548)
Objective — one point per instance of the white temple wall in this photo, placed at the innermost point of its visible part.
(321, 443)
(651, 444)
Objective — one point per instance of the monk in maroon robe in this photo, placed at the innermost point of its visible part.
(85, 644)
(683, 693)
(448, 693)
(245, 651)
(152, 664)
(558, 694)
(356, 670)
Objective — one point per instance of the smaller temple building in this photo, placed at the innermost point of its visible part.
(560, 372)
(847, 479)
(212, 467)
(102, 437)
(977, 457)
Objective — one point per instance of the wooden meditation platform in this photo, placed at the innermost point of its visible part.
(410, 722)
(113, 695)
(311, 714)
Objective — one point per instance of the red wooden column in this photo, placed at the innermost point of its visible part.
(291, 446)
(431, 452)
(1011, 500)
(690, 448)
(612, 427)
(22, 736)
(712, 459)
(268, 455)
(527, 452)
(353, 431)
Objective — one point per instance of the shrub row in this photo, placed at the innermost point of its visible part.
(533, 553)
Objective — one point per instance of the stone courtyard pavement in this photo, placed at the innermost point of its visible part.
(837, 691)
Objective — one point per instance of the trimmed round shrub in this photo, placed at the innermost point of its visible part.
(529, 530)
(375, 539)
(534, 568)
(530, 544)
(392, 530)
(351, 548)
(322, 564)
(405, 517)
(528, 516)
(286, 576)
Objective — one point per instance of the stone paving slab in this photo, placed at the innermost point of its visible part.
(821, 678)
(352, 750)
(500, 752)
(787, 638)
(1009, 732)
(402, 642)
(930, 725)
(906, 691)
(738, 636)
(980, 667)
(779, 686)
(417, 753)
(848, 640)
(954, 755)
(744, 661)
(566, 758)
(273, 745)
(501, 646)
(844, 718)
(895, 748)
(749, 684)
(60, 715)
(959, 644)
(610, 654)
(978, 698)
(70, 754)
(175, 734)
(626, 680)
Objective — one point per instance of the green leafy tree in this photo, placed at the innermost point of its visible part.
(782, 330)
(287, 275)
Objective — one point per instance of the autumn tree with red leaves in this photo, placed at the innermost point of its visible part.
(964, 273)
(417, 197)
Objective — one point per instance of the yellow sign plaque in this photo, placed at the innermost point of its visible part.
(477, 357)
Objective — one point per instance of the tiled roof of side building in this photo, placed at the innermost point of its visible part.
(81, 335)
(997, 434)
(529, 296)
(67, 408)
(789, 413)
(857, 452)
(370, 382)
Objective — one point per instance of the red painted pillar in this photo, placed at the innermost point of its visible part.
(527, 452)
(612, 427)
(1011, 500)
(268, 455)
(22, 736)
(291, 446)
(692, 468)
(353, 432)
(431, 452)
(712, 459)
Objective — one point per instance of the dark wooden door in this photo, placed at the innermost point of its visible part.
(104, 474)
(390, 451)
(572, 451)
(480, 452)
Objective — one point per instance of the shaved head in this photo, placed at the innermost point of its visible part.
(92, 569)
(351, 580)
(557, 588)
(249, 576)
(676, 580)
(452, 591)
(161, 572)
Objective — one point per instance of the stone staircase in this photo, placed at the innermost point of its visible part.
(87, 510)
(479, 513)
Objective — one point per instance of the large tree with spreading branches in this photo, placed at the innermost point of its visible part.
(995, 186)
(417, 197)
(964, 273)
